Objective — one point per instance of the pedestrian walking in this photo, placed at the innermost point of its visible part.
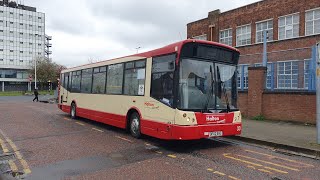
(36, 93)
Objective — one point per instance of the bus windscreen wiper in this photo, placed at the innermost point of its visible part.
(211, 93)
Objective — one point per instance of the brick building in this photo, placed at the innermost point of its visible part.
(293, 28)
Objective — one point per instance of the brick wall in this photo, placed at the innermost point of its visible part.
(243, 102)
(299, 107)
(287, 106)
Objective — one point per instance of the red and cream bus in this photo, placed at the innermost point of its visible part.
(186, 90)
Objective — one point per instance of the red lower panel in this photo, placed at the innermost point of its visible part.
(157, 129)
(107, 118)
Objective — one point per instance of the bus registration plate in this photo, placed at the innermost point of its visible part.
(215, 133)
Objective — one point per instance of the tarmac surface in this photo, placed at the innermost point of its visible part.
(47, 144)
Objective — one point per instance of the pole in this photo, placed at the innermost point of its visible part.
(317, 56)
(35, 74)
(264, 58)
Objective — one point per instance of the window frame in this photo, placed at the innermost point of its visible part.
(268, 30)
(291, 74)
(224, 38)
(313, 21)
(237, 35)
(121, 93)
(285, 34)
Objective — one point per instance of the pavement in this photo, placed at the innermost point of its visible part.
(288, 135)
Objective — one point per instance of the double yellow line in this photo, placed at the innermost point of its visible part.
(12, 164)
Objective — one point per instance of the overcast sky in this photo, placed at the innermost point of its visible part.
(105, 29)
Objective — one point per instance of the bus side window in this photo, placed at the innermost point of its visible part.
(162, 78)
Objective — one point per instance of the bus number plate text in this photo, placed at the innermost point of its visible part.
(215, 133)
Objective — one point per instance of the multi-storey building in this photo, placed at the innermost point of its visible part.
(292, 26)
(22, 39)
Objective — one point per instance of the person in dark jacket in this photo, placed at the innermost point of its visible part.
(36, 93)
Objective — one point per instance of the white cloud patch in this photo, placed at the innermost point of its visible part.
(100, 29)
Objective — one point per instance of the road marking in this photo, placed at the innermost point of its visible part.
(147, 144)
(263, 170)
(267, 162)
(255, 164)
(159, 152)
(171, 155)
(244, 161)
(3, 146)
(277, 170)
(251, 167)
(275, 157)
(97, 129)
(24, 163)
(125, 139)
(234, 178)
(220, 173)
(80, 123)
(209, 169)
(13, 166)
(67, 119)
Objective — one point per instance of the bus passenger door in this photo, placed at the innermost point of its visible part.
(65, 88)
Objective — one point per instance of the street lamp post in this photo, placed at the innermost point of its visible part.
(318, 90)
(137, 48)
(35, 74)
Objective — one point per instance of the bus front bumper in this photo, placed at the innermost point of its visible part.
(204, 131)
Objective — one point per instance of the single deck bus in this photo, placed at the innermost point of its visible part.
(183, 91)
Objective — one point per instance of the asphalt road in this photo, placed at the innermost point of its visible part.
(47, 144)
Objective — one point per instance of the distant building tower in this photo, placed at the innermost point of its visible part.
(22, 39)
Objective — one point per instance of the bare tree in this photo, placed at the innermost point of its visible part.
(46, 70)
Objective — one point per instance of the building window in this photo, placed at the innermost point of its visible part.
(264, 26)
(1, 49)
(86, 80)
(134, 78)
(244, 35)
(11, 60)
(288, 75)
(21, 51)
(20, 14)
(39, 53)
(115, 79)
(11, 13)
(289, 26)
(269, 73)
(245, 76)
(11, 50)
(30, 43)
(226, 37)
(21, 60)
(99, 80)
(11, 22)
(313, 22)
(306, 73)
(201, 37)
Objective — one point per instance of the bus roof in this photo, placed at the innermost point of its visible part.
(160, 51)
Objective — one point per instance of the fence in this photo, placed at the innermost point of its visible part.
(287, 70)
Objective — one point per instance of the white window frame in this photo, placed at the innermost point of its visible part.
(285, 22)
(238, 35)
(313, 20)
(225, 39)
(200, 37)
(268, 29)
(291, 74)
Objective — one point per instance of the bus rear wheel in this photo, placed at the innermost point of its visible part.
(73, 111)
(135, 125)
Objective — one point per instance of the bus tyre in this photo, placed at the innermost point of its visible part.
(73, 111)
(135, 125)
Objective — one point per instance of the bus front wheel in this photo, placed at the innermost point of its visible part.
(135, 125)
(73, 111)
